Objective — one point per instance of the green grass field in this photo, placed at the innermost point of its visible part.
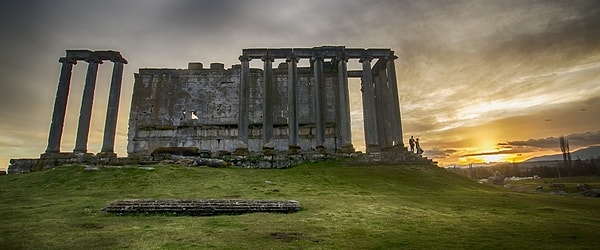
(357, 207)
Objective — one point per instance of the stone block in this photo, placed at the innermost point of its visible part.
(200, 207)
(242, 151)
(265, 164)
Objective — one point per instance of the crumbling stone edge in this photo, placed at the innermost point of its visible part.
(275, 160)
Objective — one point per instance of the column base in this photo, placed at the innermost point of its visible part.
(347, 148)
(294, 149)
(268, 150)
(109, 155)
(242, 152)
(242, 149)
(82, 157)
(321, 149)
(373, 149)
(57, 155)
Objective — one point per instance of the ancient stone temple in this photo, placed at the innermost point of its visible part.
(280, 116)
(282, 108)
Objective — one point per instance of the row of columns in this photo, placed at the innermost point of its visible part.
(388, 129)
(343, 121)
(379, 96)
(60, 103)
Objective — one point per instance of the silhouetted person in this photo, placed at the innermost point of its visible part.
(419, 149)
(411, 142)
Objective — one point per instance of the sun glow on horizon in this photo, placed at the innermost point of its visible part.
(494, 158)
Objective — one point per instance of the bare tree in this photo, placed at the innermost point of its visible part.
(564, 147)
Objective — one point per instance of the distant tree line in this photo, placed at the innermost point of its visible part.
(566, 168)
(576, 167)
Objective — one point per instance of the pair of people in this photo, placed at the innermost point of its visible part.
(414, 144)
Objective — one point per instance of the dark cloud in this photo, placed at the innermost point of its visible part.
(499, 152)
(203, 15)
(575, 140)
(439, 152)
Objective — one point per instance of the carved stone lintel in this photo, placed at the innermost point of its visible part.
(110, 55)
(67, 60)
(317, 57)
(244, 58)
(93, 59)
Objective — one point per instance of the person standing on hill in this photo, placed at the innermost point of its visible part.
(418, 146)
(411, 142)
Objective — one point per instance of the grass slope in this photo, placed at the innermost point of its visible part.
(359, 207)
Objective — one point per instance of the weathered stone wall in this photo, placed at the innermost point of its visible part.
(172, 108)
(198, 107)
(200, 207)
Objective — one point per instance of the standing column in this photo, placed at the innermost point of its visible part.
(292, 86)
(381, 104)
(113, 108)
(60, 105)
(87, 101)
(368, 99)
(395, 102)
(244, 97)
(267, 129)
(344, 106)
(319, 101)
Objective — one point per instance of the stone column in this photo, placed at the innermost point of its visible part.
(244, 97)
(344, 127)
(292, 86)
(319, 102)
(267, 129)
(395, 102)
(87, 101)
(369, 113)
(110, 126)
(382, 104)
(60, 105)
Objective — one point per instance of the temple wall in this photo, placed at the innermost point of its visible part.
(199, 108)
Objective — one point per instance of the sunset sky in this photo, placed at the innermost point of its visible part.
(479, 80)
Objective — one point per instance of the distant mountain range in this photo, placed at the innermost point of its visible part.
(584, 153)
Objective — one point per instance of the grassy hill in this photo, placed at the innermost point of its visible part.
(357, 207)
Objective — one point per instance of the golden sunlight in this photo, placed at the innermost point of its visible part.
(494, 158)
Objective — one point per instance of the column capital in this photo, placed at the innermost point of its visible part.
(67, 60)
(267, 58)
(292, 58)
(342, 57)
(243, 58)
(365, 58)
